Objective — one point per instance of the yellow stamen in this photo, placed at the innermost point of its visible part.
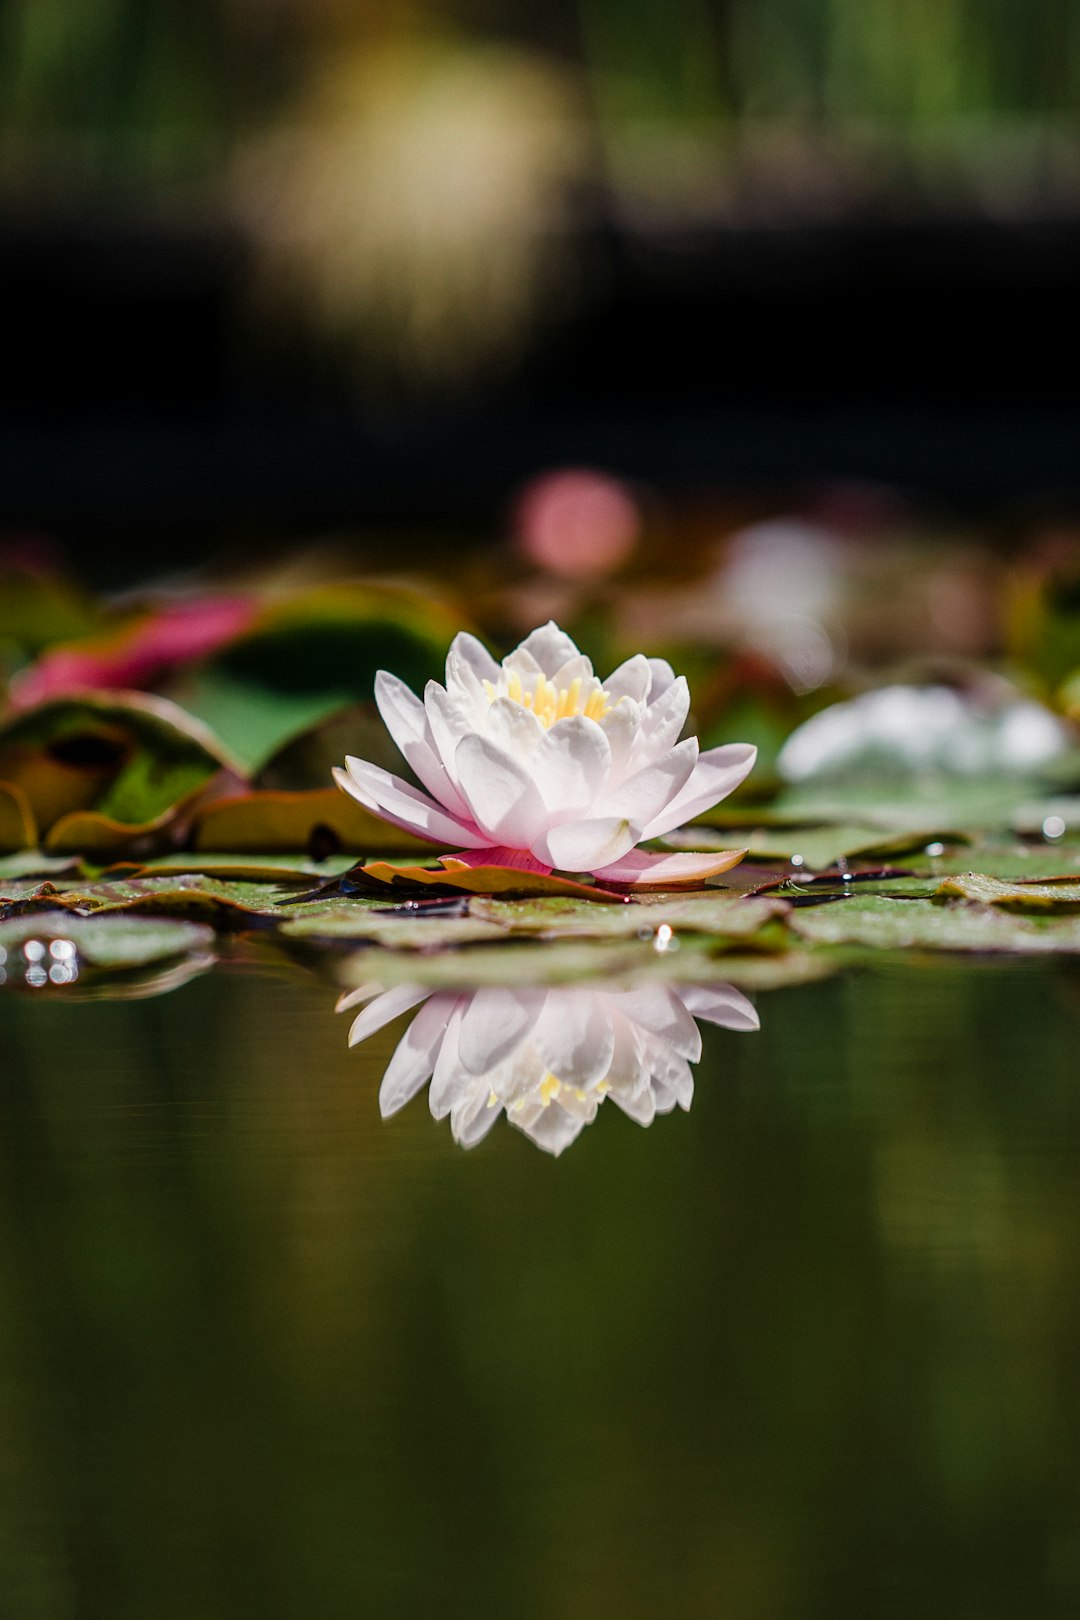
(549, 1089)
(552, 703)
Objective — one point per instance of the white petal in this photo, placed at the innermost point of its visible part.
(504, 799)
(717, 773)
(620, 726)
(658, 1010)
(663, 720)
(662, 677)
(416, 1055)
(631, 680)
(450, 717)
(662, 871)
(585, 846)
(404, 806)
(578, 668)
(552, 1129)
(474, 656)
(571, 766)
(720, 1004)
(574, 1037)
(405, 718)
(472, 1116)
(384, 1010)
(449, 1081)
(644, 795)
(550, 647)
(513, 728)
(494, 1023)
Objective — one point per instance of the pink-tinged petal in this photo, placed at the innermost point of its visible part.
(550, 647)
(503, 797)
(513, 728)
(493, 1024)
(720, 1004)
(551, 1129)
(417, 1052)
(643, 870)
(406, 720)
(384, 1009)
(645, 794)
(574, 1037)
(630, 680)
(520, 860)
(587, 846)
(473, 656)
(717, 774)
(404, 806)
(571, 767)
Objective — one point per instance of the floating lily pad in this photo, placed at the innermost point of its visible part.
(896, 924)
(817, 846)
(1060, 895)
(720, 917)
(367, 922)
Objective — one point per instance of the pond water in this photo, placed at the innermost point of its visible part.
(802, 1352)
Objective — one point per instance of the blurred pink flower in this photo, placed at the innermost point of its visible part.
(139, 652)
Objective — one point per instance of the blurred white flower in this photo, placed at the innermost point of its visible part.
(545, 1058)
(535, 763)
(922, 730)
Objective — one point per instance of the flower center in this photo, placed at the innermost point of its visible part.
(549, 702)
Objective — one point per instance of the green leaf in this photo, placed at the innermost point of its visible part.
(720, 917)
(895, 924)
(1061, 895)
(129, 759)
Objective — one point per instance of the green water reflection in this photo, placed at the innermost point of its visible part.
(808, 1350)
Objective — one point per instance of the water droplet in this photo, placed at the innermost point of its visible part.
(36, 976)
(664, 938)
(62, 950)
(935, 849)
(33, 950)
(1053, 827)
(796, 860)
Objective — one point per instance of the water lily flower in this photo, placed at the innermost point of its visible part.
(546, 1058)
(536, 763)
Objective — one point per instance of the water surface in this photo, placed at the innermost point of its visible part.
(806, 1351)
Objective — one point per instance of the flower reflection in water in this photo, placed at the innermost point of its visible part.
(546, 1057)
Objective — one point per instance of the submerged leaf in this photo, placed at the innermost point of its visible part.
(102, 942)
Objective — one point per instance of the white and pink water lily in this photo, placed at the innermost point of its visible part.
(536, 763)
(546, 1058)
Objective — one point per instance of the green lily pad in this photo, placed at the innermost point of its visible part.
(817, 846)
(128, 758)
(721, 917)
(895, 924)
(1062, 895)
(353, 921)
(278, 822)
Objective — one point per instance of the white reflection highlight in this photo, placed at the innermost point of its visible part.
(546, 1058)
